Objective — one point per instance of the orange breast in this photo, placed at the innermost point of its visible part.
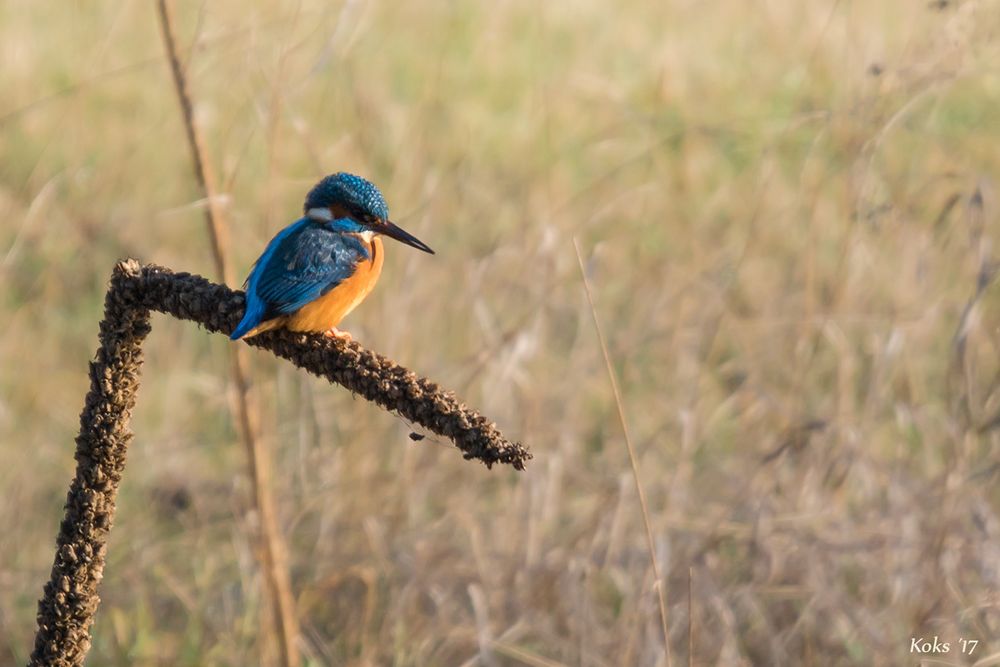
(327, 311)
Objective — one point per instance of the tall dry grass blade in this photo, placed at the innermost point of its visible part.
(660, 584)
(690, 619)
(69, 602)
(273, 558)
(217, 228)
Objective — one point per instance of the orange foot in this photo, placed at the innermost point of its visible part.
(334, 332)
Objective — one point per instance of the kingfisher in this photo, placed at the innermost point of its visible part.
(319, 268)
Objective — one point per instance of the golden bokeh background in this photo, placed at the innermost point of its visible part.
(787, 212)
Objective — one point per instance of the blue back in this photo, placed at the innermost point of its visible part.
(302, 263)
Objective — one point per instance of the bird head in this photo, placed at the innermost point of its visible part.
(352, 204)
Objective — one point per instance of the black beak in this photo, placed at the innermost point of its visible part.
(392, 231)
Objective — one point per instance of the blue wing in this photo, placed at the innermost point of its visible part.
(302, 263)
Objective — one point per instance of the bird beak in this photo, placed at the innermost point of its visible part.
(392, 231)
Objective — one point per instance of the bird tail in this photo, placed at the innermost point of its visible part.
(251, 318)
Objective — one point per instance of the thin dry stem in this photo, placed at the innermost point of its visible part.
(66, 610)
(273, 557)
(660, 584)
(218, 230)
(690, 618)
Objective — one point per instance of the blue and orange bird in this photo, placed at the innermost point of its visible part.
(320, 267)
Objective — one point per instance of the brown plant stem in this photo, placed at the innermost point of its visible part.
(70, 600)
(643, 506)
(218, 231)
(272, 554)
(66, 610)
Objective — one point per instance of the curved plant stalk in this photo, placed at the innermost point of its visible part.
(66, 610)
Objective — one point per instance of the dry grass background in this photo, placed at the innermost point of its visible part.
(787, 212)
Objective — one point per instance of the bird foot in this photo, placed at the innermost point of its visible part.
(334, 332)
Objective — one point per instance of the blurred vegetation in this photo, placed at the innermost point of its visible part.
(788, 211)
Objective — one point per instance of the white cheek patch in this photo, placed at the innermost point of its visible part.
(320, 214)
(368, 235)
